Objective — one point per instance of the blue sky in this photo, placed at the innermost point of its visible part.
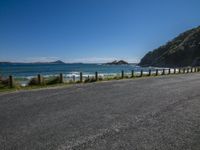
(90, 30)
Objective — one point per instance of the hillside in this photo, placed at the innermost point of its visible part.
(54, 62)
(184, 50)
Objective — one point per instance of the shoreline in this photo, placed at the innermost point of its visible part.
(107, 79)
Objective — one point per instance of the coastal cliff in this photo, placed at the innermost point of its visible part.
(184, 50)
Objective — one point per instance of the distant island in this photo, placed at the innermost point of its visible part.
(184, 50)
(54, 62)
(120, 62)
(57, 62)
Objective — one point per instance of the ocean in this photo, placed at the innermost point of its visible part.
(28, 71)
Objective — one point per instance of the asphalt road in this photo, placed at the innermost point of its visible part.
(151, 113)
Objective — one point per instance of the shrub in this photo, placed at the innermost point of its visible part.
(4, 83)
(100, 78)
(126, 76)
(117, 78)
(88, 80)
(53, 80)
(34, 81)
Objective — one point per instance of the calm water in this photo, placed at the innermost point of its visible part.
(69, 70)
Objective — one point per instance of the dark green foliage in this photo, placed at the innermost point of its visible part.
(100, 78)
(46, 81)
(53, 80)
(88, 80)
(184, 50)
(126, 76)
(33, 81)
(4, 83)
(116, 78)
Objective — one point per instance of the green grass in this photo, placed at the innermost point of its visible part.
(54, 82)
(19, 88)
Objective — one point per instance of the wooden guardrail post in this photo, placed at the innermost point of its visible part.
(122, 74)
(183, 70)
(179, 70)
(61, 78)
(73, 77)
(174, 70)
(11, 82)
(163, 73)
(96, 76)
(187, 70)
(169, 71)
(132, 73)
(141, 73)
(149, 72)
(156, 72)
(39, 79)
(81, 77)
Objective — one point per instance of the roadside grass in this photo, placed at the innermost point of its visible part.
(31, 87)
(54, 81)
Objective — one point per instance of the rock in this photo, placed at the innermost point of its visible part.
(121, 62)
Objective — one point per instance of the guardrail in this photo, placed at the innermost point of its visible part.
(154, 72)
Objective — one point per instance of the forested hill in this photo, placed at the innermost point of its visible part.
(184, 50)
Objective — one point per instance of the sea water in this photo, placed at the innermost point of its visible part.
(27, 71)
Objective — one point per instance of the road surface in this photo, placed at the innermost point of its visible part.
(160, 113)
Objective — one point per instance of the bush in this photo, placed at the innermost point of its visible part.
(126, 76)
(34, 81)
(54, 80)
(100, 78)
(5, 83)
(116, 78)
(88, 80)
(78, 81)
